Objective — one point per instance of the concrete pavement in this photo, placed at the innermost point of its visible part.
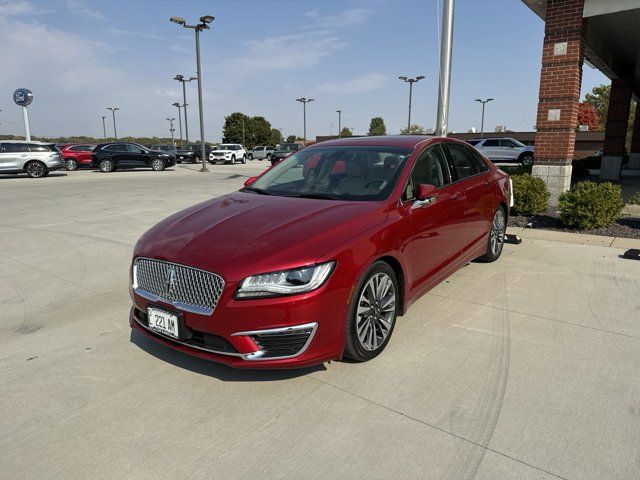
(525, 368)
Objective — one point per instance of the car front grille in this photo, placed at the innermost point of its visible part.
(186, 288)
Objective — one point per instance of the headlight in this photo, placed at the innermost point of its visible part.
(285, 282)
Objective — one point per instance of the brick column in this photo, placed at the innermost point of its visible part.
(634, 156)
(560, 81)
(615, 135)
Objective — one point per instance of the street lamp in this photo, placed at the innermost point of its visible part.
(410, 81)
(339, 112)
(205, 20)
(113, 112)
(182, 79)
(104, 127)
(177, 104)
(171, 129)
(304, 102)
(483, 102)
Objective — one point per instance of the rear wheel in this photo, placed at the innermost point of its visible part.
(372, 313)
(106, 165)
(36, 169)
(496, 236)
(157, 165)
(71, 164)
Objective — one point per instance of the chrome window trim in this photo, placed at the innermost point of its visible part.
(256, 356)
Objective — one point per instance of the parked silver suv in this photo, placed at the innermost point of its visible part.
(504, 150)
(36, 159)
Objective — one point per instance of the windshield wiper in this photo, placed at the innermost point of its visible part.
(321, 196)
(257, 190)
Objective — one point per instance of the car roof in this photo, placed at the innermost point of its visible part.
(406, 141)
(32, 142)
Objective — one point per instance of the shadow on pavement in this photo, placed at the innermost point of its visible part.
(24, 175)
(213, 369)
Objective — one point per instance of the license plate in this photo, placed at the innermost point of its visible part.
(163, 322)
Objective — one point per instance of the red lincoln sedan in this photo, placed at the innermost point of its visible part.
(316, 258)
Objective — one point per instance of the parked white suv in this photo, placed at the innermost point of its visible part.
(228, 153)
(260, 153)
(36, 159)
(504, 150)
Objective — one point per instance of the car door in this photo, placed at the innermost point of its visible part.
(492, 150)
(137, 155)
(509, 150)
(14, 156)
(473, 180)
(435, 239)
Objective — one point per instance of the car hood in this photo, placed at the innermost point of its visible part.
(242, 234)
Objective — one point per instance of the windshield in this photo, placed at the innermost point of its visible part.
(289, 147)
(335, 173)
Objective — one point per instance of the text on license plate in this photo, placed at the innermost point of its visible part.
(163, 322)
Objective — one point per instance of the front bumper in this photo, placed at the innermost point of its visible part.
(283, 332)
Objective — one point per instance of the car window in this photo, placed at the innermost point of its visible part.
(491, 143)
(473, 142)
(40, 148)
(462, 160)
(134, 148)
(15, 147)
(507, 144)
(430, 168)
(480, 161)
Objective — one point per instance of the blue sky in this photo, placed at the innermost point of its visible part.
(80, 56)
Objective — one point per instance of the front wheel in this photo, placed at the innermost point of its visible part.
(71, 164)
(233, 159)
(36, 169)
(157, 165)
(527, 160)
(372, 313)
(497, 232)
(244, 159)
(106, 165)
(250, 157)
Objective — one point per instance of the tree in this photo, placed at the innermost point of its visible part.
(291, 139)
(276, 137)
(345, 132)
(377, 127)
(413, 130)
(260, 132)
(588, 115)
(599, 98)
(234, 124)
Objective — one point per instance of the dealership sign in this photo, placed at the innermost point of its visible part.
(23, 97)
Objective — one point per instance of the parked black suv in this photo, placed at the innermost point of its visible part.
(109, 156)
(191, 153)
(284, 150)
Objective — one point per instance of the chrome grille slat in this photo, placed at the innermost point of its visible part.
(192, 290)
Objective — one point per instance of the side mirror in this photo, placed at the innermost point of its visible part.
(249, 181)
(426, 195)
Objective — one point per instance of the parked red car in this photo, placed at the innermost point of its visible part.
(316, 258)
(75, 155)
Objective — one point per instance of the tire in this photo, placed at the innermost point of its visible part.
(71, 164)
(526, 159)
(244, 159)
(106, 165)
(250, 157)
(369, 330)
(495, 240)
(233, 159)
(158, 165)
(36, 169)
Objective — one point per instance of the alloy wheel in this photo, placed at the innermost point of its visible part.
(71, 165)
(376, 311)
(36, 170)
(496, 239)
(157, 164)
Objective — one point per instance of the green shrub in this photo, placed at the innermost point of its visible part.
(591, 205)
(530, 194)
(635, 199)
(516, 169)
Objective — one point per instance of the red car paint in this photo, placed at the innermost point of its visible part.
(81, 153)
(244, 234)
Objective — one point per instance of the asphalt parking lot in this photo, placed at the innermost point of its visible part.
(525, 368)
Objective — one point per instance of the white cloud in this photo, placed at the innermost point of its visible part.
(353, 16)
(365, 83)
(119, 31)
(79, 7)
(312, 13)
(14, 9)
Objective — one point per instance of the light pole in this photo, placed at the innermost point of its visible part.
(184, 80)
(171, 129)
(104, 127)
(410, 81)
(339, 112)
(177, 104)
(304, 102)
(483, 102)
(205, 20)
(446, 49)
(113, 112)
